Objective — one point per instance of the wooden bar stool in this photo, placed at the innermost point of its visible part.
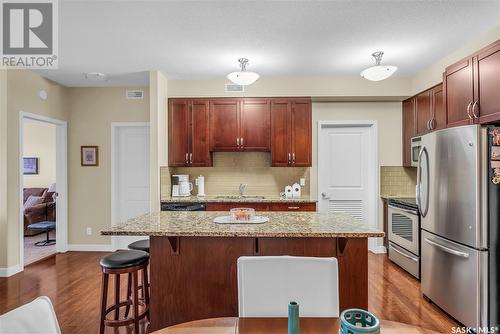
(142, 245)
(124, 262)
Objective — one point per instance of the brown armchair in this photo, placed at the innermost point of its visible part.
(41, 212)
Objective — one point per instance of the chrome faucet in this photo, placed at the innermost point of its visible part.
(243, 186)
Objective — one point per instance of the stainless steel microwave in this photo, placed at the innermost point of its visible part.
(416, 143)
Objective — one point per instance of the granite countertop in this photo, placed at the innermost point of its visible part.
(217, 199)
(281, 224)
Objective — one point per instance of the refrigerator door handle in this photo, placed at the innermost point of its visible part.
(423, 151)
(447, 249)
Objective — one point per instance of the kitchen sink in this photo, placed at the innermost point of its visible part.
(240, 197)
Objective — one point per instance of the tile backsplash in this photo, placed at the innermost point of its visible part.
(398, 181)
(231, 168)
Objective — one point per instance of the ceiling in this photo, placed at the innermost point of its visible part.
(203, 39)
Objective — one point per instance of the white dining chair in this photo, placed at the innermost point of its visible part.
(266, 285)
(36, 317)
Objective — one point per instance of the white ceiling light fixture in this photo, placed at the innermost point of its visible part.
(378, 72)
(243, 77)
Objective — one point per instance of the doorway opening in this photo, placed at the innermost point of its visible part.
(43, 187)
(129, 175)
(348, 171)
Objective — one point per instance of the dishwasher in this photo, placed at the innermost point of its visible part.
(183, 206)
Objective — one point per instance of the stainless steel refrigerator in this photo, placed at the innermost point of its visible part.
(459, 207)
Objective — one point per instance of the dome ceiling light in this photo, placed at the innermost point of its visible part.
(378, 72)
(243, 77)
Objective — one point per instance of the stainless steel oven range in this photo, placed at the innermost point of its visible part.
(404, 234)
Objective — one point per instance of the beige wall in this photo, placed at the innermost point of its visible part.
(388, 117)
(232, 168)
(3, 169)
(158, 134)
(39, 141)
(433, 74)
(91, 112)
(22, 95)
(316, 87)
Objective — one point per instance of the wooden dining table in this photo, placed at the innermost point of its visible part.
(278, 326)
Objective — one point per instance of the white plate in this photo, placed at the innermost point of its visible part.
(227, 220)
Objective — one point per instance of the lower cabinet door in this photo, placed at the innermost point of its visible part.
(454, 277)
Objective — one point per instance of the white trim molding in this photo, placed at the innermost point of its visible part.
(61, 181)
(7, 272)
(91, 248)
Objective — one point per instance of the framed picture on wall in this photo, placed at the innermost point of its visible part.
(30, 166)
(89, 156)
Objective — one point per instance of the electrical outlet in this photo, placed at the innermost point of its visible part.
(302, 181)
(89, 230)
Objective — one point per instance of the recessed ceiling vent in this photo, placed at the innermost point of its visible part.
(135, 94)
(234, 88)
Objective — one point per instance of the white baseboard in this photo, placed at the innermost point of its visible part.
(378, 249)
(7, 272)
(91, 248)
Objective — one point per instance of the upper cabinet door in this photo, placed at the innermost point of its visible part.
(409, 129)
(199, 155)
(281, 154)
(255, 127)
(459, 93)
(178, 132)
(438, 120)
(224, 125)
(301, 133)
(423, 102)
(487, 102)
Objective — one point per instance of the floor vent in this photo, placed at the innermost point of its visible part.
(135, 94)
(234, 88)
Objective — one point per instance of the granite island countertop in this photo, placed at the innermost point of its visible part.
(281, 224)
(236, 199)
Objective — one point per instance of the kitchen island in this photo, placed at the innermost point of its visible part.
(193, 260)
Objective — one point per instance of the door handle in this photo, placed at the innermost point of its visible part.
(402, 254)
(468, 110)
(238, 141)
(241, 141)
(186, 159)
(323, 194)
(429, 124)
(474, 108)
(293, 207)
(293, 158)
(190, 158)
(433, 123)
(447, 249)
(289, 158)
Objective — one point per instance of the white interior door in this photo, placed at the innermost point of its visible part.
(132, 176)
(347, 165)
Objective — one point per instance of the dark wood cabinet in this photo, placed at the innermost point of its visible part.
(409, 129)
(471, 88)
(188, 133)
(487, 85)
(255, 125)
(438, 120)
(423, 112)
(240, 125)
(260, 206)
(291, 127)
(224, 125)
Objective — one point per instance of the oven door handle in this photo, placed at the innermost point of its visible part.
(402, 254)
(413, 212)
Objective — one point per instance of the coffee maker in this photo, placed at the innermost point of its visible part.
(181, 187)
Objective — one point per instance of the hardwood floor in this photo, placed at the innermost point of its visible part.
(72, 281)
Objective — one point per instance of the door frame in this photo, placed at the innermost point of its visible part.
(115, 127)
(374, 171)
(61, 181)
